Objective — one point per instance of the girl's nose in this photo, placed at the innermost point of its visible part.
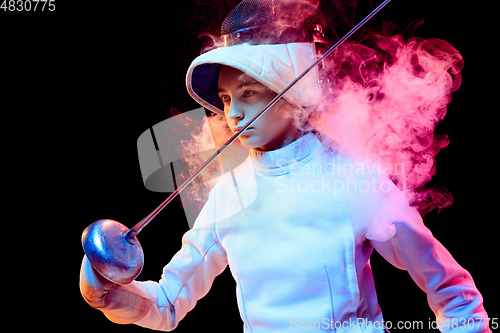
(236, 112)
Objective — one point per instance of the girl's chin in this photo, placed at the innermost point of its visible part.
(250, 142)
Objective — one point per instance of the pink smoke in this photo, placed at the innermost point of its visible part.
(383, 103)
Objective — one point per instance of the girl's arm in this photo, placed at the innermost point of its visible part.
(187, 278)
(451, 292)
(161, 305)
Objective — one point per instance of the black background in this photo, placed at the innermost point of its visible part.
(87, 79)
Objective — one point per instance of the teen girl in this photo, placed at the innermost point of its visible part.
(299, 238)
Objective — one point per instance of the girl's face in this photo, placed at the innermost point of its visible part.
(243, 98)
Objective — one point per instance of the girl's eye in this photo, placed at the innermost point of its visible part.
(248, 93)
(225, 98)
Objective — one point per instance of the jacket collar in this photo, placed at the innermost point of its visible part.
(284, 160)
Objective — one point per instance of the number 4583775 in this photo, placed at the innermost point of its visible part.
(28, 5)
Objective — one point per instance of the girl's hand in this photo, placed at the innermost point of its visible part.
(93, 286)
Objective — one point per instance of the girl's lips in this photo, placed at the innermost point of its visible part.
(237, 129)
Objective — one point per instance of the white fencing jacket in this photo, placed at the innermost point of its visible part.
(297, 227)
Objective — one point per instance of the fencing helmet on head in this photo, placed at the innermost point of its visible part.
(273, 41)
